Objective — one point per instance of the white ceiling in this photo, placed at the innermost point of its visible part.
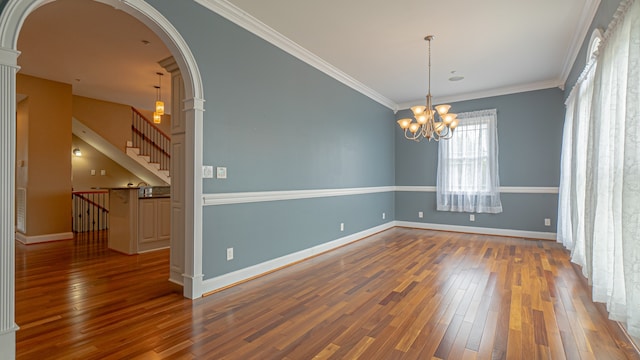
(499, 46)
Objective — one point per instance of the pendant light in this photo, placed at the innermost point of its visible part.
(159, 102)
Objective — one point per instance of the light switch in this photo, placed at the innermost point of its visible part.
(207, 172)
(93, 172)
(103, 172)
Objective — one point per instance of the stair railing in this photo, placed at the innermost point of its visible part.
(151, 141)
(90, 212)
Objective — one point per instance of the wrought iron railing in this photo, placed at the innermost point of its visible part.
(90, 210)
(151, 141)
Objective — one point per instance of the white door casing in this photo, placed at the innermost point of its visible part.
(11, 20)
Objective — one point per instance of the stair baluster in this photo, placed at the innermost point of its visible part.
(152, 142)
(90, 211)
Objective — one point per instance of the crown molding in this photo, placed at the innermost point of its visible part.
(507, 90)
(260, 29)
(586, 18)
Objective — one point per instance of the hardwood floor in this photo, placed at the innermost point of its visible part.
(400, 294)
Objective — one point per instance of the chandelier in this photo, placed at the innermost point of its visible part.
(430, 124)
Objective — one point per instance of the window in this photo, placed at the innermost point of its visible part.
(468, 166)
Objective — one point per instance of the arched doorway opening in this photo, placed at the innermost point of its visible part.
(186, 149)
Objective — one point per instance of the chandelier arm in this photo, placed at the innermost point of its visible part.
(413, 137)
(448, 135)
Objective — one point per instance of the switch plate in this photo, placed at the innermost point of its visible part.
(384, 216)
(93, 172)
(547, 222)
(103, 172)
(207, 172)
(341, 226)
(420, 214)
(229, 254)
(221, 172)
(472, 217)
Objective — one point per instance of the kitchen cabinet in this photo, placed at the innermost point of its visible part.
(139, 220)
(154, 223)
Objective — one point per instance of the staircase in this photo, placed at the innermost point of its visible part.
(149, 146)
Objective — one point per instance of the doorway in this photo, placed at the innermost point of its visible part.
(186, 133)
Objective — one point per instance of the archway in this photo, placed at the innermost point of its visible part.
(187, 130)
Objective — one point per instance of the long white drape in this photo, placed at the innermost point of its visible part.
(599, 201)
(467, 175)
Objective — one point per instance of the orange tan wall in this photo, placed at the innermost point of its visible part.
(47, 161)
(22, 143)
(92, 159)
(110, 120)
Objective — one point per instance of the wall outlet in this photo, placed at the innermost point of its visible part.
(472, 217)
(420, 214)
(384, 216)
(341, 226)
(103, 172)
(547, 222)
(93, 172)
(229, 254)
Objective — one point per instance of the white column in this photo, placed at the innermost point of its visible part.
(186, 191)
(193, 277)
(8, 327)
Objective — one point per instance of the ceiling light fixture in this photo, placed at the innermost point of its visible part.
(455, 77)
(77, 152)
(426, 124)
(157, 114)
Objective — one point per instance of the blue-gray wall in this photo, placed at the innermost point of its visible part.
(276, 123)
(529, 137)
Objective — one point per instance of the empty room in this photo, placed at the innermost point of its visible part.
(243, 179)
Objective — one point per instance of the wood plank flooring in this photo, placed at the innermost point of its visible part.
(400, 294)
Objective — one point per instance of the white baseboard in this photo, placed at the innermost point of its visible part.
(43, 238)
(226, 280)
(479, 230)
(154, 249)
(222, 281)
(177, 282)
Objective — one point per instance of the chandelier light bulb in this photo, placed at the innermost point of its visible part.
(404, 123)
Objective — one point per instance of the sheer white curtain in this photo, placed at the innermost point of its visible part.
(574, 167)
(467, 178)
(599, 204)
